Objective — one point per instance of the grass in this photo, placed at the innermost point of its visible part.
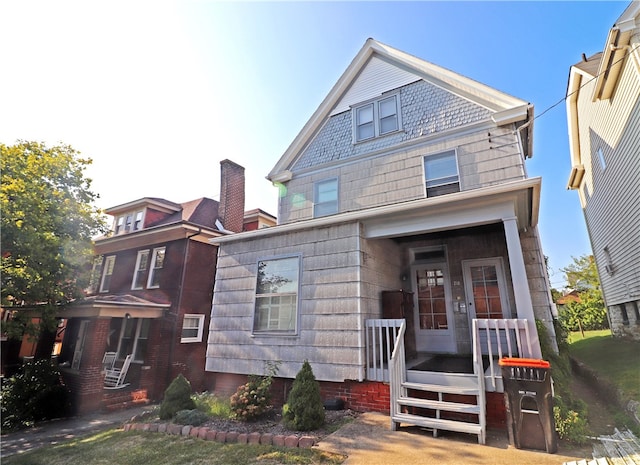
(615, 360)
(139, 448)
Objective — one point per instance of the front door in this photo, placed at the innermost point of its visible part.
(433, 313)
(485, 288)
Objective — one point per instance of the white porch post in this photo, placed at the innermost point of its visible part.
(524, 307)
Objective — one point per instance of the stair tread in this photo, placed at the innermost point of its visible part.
(472, 391)
(439, 405)
(439, 423)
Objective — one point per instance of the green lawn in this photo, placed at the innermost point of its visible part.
(616, 360)
(139, 448)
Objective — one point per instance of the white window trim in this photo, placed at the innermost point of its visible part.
(424, 169)
(120, 222)
(268, 332)
(315, 197)
(200, 328)
(376, 117)
(152, 267)
(136, 338)
(137, 269)
(107, 260)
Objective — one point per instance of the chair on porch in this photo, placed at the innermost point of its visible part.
(109, 361)
(115, 377)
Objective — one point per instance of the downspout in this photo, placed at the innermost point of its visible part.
(174, 330)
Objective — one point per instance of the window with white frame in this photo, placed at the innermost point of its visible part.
(441, 173)
(128, 222)
(276, 307)
(134, 336)
(377, 118)
(107, 271)
(142, 265)
(325, 197)
(192, 327)
(157, 262)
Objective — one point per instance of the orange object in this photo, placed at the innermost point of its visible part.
(523, 362)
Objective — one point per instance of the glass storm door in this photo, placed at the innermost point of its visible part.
(485, 288)
(433, 317)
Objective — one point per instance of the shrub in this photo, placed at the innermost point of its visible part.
(176, 397)
(35, 393)
(254, 398)
(304, 410)
(570, 420)
(193, 417)
(212, 405)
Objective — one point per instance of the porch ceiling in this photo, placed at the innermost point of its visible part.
(460, 211)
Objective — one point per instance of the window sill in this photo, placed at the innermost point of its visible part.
(381, 136)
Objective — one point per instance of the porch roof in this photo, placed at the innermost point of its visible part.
(519, 199)
(115, 306)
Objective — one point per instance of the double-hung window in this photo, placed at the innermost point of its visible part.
(157, 262)
(142, 265)
(134, 335)
(377, 118)
(107, 272)
(441, 173)
(325, 197)
(276, 307)
(192, 327)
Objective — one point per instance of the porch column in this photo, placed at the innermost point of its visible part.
(524, 307)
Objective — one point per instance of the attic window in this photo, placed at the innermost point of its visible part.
(128, 222)
(376, 118)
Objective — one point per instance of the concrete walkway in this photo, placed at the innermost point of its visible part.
(57, 431)
(369, 441)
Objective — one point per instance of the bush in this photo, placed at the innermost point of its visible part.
(193, 417)
(212, 405)
(304, 410)
(35, 393)
(176, 397)
(570, 420)
(254, 398)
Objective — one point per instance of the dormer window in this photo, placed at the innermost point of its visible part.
(377, 118)
(129, 222)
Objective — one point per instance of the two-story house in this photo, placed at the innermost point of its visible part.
(407, 208)
(603, 114)
(152, 296)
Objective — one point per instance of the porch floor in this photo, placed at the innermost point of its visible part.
(445, 363)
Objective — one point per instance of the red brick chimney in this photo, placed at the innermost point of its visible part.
(231, 209)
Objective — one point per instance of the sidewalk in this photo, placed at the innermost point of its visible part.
(369, 441)
(56, 431)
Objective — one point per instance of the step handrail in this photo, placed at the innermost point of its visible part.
(397, 373)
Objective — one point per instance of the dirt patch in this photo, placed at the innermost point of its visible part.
(600, 409)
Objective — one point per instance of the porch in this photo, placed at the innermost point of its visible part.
(445, 391)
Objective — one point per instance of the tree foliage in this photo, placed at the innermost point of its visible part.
(48, 220)
(589, 312)
(304, 410)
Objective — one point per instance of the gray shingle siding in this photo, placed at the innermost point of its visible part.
(425, 108)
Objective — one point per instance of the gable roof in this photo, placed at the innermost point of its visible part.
(505, 108)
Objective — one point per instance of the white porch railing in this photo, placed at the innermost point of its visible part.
(398, 373)
(497, 338)
(380, 338)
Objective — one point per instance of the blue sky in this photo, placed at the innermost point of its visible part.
(157, 93)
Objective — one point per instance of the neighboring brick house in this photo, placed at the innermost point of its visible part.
(406, 199)
(603, 115)
(152, 295)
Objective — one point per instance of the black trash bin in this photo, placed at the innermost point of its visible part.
(529, 403)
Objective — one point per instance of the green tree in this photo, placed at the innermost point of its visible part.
(304, 410)
(48, 219)
(589, 312)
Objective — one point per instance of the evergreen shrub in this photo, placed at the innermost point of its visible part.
(304, 410)
(176, 397)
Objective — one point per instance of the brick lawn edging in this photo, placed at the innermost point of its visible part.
(229, 437)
